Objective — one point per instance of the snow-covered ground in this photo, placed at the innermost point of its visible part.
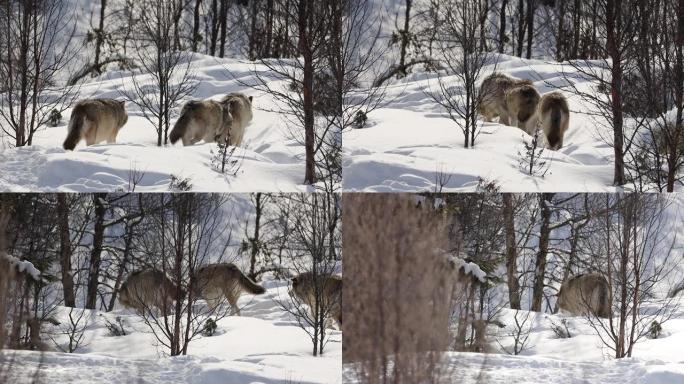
(579, 359)
(264, 346)
(411, 139)
(271, 160)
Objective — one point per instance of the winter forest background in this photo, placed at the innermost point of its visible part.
(66, 257)
(466, 286)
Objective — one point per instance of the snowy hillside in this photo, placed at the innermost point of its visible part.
(263, 345)
(270, 159)
(410, 140)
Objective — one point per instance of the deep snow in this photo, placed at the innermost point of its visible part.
(410, 139)
(271, 160)
(581, 359)
(264, 345)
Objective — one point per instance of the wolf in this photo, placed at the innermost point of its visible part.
(214, 281)
(585, 294)
(304, 289)
(95, 120)
(200, 120)
(521, 103)
(240, 107)
(493, 101)
(554, 117)
(148, 288)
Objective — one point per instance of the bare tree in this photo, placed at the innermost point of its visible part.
(464, 59)
(511, 251)
(162, 64)
(73, 331)
(637, 256)
(617, 27)
(313, 249)
(185, 234)
(36, 43)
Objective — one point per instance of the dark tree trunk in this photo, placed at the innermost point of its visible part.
(560, 38)
(215, 23)
(613, 27)
(268, 52)
(196, 25)
(511, 252)
(530, 27)
(405, 37)
(96, 252)
(100, 37)
(305, 13)
(540, 264)
(223, 20)
(65, 250)
(502, 26)
(255, 244)
(521, 27)
(253, 33)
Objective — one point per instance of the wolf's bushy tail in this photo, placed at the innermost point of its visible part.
(250, 286)
(181, 124)
(75, 128)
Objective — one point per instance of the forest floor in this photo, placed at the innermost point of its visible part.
(264, 345)
(270, 159)
(410, 141)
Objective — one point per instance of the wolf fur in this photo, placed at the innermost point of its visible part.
(95, 120)
(585, 294)
(554, 117)
(200, 120)
(215, 281)
(148, 288)
(521, 102)
(212, 120)
(240, 107)
(493, 101)
(304, 289)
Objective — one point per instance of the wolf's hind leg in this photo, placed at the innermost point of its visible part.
(234, 309)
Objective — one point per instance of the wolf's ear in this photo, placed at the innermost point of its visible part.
(250, 98)
(294, 280)
(123, 103)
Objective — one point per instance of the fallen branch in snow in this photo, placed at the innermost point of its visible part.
(397, 69)
(89, 68)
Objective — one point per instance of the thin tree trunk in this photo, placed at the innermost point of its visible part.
(560, 38)
(308, 83)
(530, 27)
(65, 250)
(405, 37)
(255, 237)
(540, 264)
(196, 25)
(96, 252)
(224, 17)
(613, 16)
(100, 36)
(215, 23)
(502, 26)
(521, 27)
(511, 252)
